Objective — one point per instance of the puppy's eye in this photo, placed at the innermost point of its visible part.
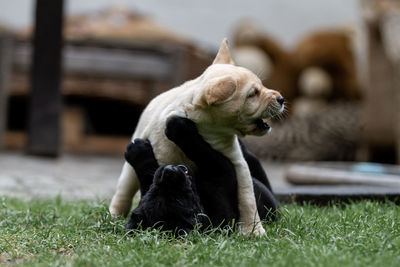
(254, 92)
(184, 169)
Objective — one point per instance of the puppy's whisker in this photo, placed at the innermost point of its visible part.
(279, 117)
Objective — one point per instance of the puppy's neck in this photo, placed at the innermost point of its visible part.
(219, 138)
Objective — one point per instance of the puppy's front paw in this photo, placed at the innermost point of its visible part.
(137, 150)
(178, 128)
(135, 220)
(120, 207)
(251, 230)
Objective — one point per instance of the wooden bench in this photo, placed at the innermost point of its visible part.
(126, 72)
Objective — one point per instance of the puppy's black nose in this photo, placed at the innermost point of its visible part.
(169, 170)
(171, 175)
(280, 100)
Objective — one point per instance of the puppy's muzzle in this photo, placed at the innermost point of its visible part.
(280, 100)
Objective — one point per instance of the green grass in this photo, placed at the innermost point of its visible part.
(57, 232)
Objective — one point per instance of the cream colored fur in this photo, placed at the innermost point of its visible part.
(224, 102)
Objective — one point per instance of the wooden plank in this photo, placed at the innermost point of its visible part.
(379, 131)
(15, 140)
(373, 174)
(45, 103)
(108, 62)
(73, 127)
(93, 144)
(5, 70)
(129, 90)
(88, 144)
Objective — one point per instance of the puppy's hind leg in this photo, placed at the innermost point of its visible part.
(127, 186)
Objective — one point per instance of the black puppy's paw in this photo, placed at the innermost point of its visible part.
(179, 128)
(136, 221)
(137, 150)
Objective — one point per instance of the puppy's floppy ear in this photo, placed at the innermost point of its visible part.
(223, 55)
(220, 90)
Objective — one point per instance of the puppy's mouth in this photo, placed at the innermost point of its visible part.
(262, 125)
(172, 175)
(259, 126)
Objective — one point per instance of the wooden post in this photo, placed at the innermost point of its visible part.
(45, 103)
(396, 110)
(5, 70)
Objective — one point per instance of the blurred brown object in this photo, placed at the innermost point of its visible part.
(281, 73)
(116, 22)
(381, 138)
(115, 62)
(327, 70)
(332, 52)
(319, 79)
(321, 68)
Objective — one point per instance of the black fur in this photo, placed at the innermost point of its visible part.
(216, 184)
(169, 198)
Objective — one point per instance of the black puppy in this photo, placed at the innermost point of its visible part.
(216, 179)
(169, 198)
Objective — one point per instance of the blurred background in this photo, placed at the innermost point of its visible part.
(336, 62)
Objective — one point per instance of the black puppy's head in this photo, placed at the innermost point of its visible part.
(173, 177)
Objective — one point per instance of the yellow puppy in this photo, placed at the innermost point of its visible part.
(225, 102)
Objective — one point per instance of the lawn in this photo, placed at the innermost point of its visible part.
(79, 233)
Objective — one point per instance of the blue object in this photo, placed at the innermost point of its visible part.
(367, 167)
